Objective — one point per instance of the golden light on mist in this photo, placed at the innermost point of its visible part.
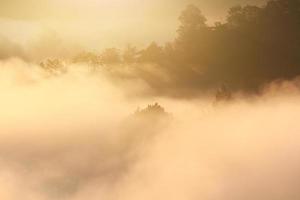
(149, 99)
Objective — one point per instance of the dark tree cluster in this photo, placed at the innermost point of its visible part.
(255, 46)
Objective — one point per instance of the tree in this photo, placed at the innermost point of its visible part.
(191, 20)
(151, 110)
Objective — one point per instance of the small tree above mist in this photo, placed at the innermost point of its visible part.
(144, 124)
(150, 110)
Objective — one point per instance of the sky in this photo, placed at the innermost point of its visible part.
(100, 23)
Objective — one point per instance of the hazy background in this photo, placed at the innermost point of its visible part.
(96, 24)
(78, 112)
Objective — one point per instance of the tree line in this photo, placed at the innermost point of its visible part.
(252, 47)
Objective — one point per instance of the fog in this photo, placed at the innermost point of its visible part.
(76, 137)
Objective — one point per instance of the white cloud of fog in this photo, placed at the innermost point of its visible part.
(70, 138)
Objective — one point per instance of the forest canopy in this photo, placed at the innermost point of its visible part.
(254, 46)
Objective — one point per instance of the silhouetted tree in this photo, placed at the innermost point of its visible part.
(154, 109)
(191, 46)
(192, 21)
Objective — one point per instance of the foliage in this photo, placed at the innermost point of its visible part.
(254, 46)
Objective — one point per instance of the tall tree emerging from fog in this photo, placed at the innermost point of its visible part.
(192, 21)
(192, 34)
